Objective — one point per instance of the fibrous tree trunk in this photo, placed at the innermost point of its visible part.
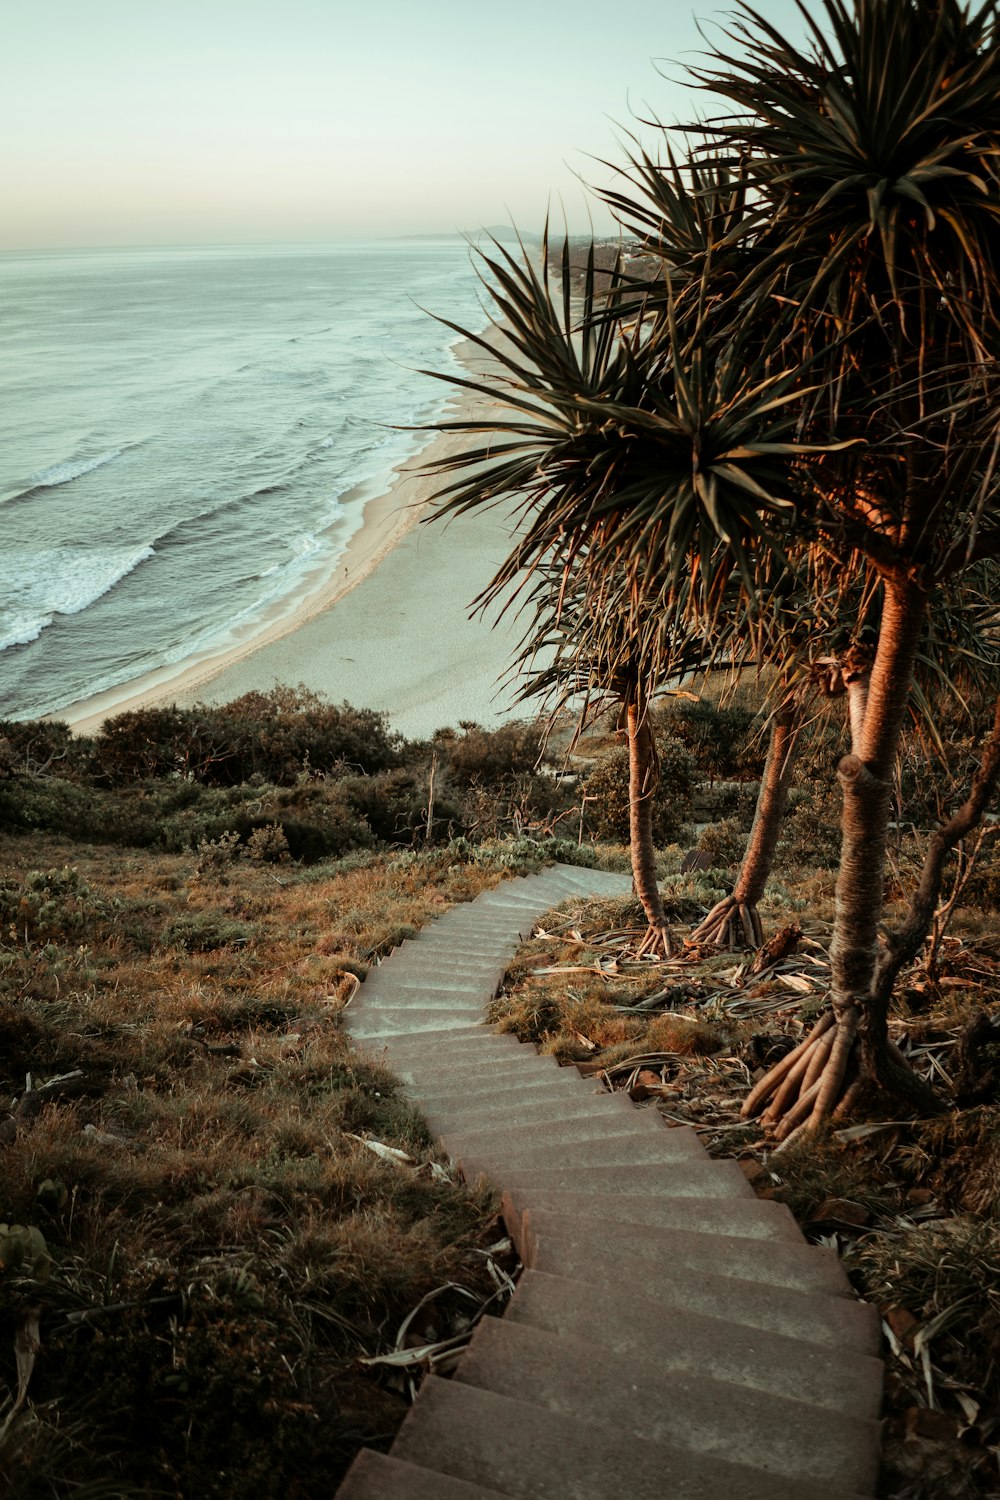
(849, 1047)
(734, 922)
(643, 776)
(856, 684)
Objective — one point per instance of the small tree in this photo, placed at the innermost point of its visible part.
(609, 424)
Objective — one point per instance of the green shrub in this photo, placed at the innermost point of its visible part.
(23, 1250)
(606, 791)
(512, 804)
(523, 853)
(36, 746)
(394, 805)
(315, 818)
(51, 804)
(734, 801)
(725, 743)
(288, 731)
(811, 831)
(217, 856)
(268, 846)
(490, 755)
(203, 931)
(276, 736)
(50, 905)
(724, 842)
(147, 743)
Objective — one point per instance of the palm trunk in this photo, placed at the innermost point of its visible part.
(857, 708)
(838, 1060)
(642, 779)
(735, 920)
(866, 778)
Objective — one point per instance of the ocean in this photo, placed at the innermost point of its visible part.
(189, 434)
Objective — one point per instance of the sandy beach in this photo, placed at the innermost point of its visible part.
(388, 628)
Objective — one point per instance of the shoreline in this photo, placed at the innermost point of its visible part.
(394, 581)
(386, 519)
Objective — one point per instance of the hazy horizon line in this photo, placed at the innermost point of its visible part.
(468, 235)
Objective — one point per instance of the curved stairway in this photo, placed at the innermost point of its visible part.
(671, 1335)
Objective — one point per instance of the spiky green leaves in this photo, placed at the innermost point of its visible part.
(876, 147)
(667, 448)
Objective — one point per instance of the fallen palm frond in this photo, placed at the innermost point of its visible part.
(441, 1355)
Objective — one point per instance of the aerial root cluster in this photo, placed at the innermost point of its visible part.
(657, 942)
(817, 1081)
(731, 924)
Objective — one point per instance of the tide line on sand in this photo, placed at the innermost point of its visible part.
(388, 628)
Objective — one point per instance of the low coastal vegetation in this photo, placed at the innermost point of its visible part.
(216, 1212)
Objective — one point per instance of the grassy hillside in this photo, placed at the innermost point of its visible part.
(224, 1212)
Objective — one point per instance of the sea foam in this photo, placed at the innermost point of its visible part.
(270, 406)
(70, 469)
(38, 586)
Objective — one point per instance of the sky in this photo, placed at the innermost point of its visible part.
(130, 122)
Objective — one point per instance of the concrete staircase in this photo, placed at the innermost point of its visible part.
(671, 1335)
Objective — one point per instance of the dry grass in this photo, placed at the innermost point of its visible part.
(223, 1250)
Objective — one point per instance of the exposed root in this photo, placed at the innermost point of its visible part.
(730, 924)
(657, 942)
(772, 1080)
(821, 1080)
(812, 1083)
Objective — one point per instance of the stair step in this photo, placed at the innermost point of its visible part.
(808, 1313)
(425, 1070)
(477, 1041)
(609, 882)
(405, 1020)
(753, 1218)
(483, 917)
(553, 1104)
(439, 962)
(450, 936)
(519, 1102)
(577, 1248)
(379, 1476)
(611, 1148)
(624, 1319)
(560, 1108)
(396, 997)
(634, 1393)
(406, 981)
(609, 1125)
(604, 1140)
(516, 901)
(397, 1052)
(641, 1181)
(503, 1066)
(539, 1080)
(491, 929)
(530, 1453)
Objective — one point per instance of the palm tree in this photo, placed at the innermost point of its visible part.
(873, 159)
(641, 457)
(585, 659)
(819, 376)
